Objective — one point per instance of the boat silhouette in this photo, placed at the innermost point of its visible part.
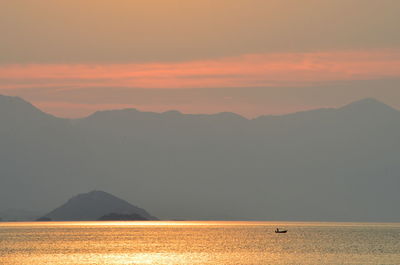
(280, 231)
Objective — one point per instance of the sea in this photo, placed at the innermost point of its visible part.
(198, 242)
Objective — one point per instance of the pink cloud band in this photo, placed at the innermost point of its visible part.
(253, 70)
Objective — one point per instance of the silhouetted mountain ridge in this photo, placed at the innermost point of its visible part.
(18, 105)
(327, 164)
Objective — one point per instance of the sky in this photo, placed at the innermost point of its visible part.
(253, 57)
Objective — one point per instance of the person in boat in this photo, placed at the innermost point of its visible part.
(277, 230)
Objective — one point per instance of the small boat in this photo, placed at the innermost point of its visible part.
(280, 231)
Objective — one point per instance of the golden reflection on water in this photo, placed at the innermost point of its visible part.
(139, 223)
(198, 242)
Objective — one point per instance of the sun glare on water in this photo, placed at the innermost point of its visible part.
(136, 223)
(197, 242)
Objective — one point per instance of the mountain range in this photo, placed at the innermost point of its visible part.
(336, 164)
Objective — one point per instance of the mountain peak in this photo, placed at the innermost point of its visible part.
(93, 194)
(93, 205)
(97, 192)
(15, 102)
(230, 115)
(368, 105)
(17, 107)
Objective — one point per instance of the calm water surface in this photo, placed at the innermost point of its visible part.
(217, 243)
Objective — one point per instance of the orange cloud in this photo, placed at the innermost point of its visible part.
(253, 70)
(279, 82)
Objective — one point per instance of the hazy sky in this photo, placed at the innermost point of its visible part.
(71, 57)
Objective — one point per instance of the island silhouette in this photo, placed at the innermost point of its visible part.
(96, 205)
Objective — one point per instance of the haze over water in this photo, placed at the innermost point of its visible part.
(173, 243)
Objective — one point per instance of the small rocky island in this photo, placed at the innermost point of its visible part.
(122, 217)
(43, 219)
(97, 205)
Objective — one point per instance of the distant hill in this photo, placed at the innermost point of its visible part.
(335, 164)
(95, 205)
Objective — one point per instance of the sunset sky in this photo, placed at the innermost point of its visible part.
(253, 57)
